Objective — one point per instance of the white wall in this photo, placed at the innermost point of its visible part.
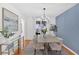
(11, 8)
(29, 29)
(53, 20)
(33, 10)
(28, 21)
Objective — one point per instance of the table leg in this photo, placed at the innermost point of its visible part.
(46, 51)
(0, 50)
(23, 43)
(18, 45)
(46, 48)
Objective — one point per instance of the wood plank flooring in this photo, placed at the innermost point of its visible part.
(26, 43)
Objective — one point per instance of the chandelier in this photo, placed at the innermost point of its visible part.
(44, 17)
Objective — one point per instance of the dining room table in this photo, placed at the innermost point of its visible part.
(46, 40)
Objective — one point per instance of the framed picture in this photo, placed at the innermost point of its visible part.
(9, 21)
(44, 23)
(53, 28)
(37, 22)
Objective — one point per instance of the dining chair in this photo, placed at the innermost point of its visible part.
(37, 45)
(56, 46)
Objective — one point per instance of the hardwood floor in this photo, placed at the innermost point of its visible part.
(21, 51)
(69, 51)
(26, 43)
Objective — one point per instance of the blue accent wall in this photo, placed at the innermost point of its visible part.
(68, 27)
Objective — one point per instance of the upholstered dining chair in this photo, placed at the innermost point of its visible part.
(37, 46)
(56, 46)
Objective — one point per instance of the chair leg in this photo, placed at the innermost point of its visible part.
(8, 51)
(56, 52)
(42, 50)
(60, 52)
(34, 51)
(13, 50)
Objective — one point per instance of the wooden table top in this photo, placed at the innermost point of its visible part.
(48, 39)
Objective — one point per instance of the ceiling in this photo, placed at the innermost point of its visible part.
(36, 9)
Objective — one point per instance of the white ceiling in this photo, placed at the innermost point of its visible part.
(35, 9)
